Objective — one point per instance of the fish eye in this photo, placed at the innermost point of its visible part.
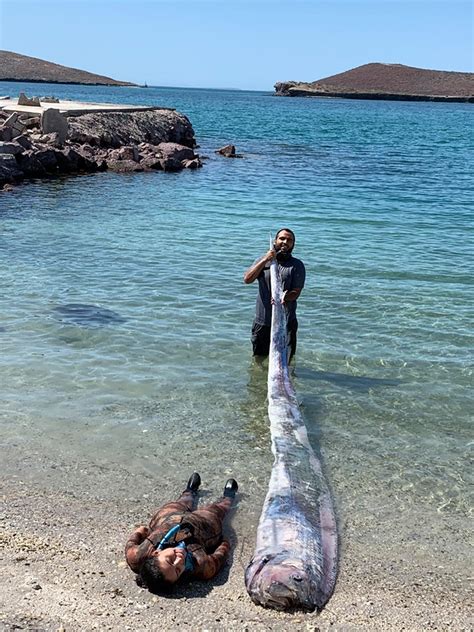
(297, 578)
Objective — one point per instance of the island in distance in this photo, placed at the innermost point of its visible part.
(387, 81)
(16, 67)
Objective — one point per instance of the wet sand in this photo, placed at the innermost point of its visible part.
(65, 520)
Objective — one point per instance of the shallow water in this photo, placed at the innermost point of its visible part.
(379, 195)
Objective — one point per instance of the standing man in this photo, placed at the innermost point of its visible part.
(293, 275)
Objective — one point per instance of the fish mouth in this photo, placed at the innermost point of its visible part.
(274, 583)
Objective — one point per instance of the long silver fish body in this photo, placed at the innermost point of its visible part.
(295, 561)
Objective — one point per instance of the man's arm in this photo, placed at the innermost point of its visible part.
(252, 273)
(209, 565)
(291, 295)
(132, 546)
(298, 280)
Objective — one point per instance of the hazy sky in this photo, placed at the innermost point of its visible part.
(237, 43)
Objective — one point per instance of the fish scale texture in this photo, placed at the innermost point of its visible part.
(295, 561)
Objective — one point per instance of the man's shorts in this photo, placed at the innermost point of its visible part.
(261, 338)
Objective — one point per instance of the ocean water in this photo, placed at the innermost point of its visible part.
(379, 195)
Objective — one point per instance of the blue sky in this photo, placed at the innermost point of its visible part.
(237, 44)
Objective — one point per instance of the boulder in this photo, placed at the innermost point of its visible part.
(48, 160)
(15, 124)
(51, 139)
(11, 148)
(124, 166)
(84, 137)
(70, 161)
(49, 100)
(128, 152)
(5, 133)
(175, 151)
(173, 155)
(86, 150)
(109, 139)
(228, 151)
(192, 164)
(9, 170)
(53, 121)
(24, 100)
(11, 120)
(30, 165)
(151, 162)
(24, 141)
(115, 129)
(33, 121)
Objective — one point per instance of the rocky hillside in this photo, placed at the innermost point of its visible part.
(15, 67)
(387, 81)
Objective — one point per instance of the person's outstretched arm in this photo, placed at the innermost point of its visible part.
(132, 547)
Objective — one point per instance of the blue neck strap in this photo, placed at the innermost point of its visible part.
(165, 541)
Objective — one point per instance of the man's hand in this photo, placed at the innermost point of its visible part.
(252, 273)
(282, 300)
(271, 254)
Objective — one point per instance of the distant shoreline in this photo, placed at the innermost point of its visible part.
(23, 68)
(72, 83)
(376, 96)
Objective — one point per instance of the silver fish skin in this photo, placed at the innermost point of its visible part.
(294, 566)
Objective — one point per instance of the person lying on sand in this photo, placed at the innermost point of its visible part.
(181, 541)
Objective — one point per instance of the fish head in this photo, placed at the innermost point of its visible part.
(281, 583)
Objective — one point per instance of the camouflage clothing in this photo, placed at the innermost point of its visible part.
(201, 530)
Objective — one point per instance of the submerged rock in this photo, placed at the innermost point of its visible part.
(86, 315)
(228, 151)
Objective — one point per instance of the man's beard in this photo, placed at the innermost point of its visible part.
(283, 255)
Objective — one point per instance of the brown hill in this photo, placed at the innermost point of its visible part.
(393, 81)
(15, 67)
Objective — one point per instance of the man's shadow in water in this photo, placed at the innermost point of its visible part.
(360, 383)
(254, 407)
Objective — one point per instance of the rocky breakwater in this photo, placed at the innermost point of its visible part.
(54, 143)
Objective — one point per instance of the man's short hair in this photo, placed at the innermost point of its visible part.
(288, 230)
(153, 578)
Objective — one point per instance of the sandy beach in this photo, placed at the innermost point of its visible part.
(65, 521)
(103, 420)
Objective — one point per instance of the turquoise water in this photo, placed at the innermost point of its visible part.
(379, 195)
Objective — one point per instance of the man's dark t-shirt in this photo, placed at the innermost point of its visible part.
(293, 275)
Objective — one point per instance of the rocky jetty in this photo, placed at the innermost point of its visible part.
(53, 143)
(387, 81)
(16, 67)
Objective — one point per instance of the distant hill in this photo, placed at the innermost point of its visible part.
(387, 81)
(15, 67)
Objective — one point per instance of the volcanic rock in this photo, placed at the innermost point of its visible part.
(121, 141)
(9, 170)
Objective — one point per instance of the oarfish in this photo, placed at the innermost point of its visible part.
(295, 561)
